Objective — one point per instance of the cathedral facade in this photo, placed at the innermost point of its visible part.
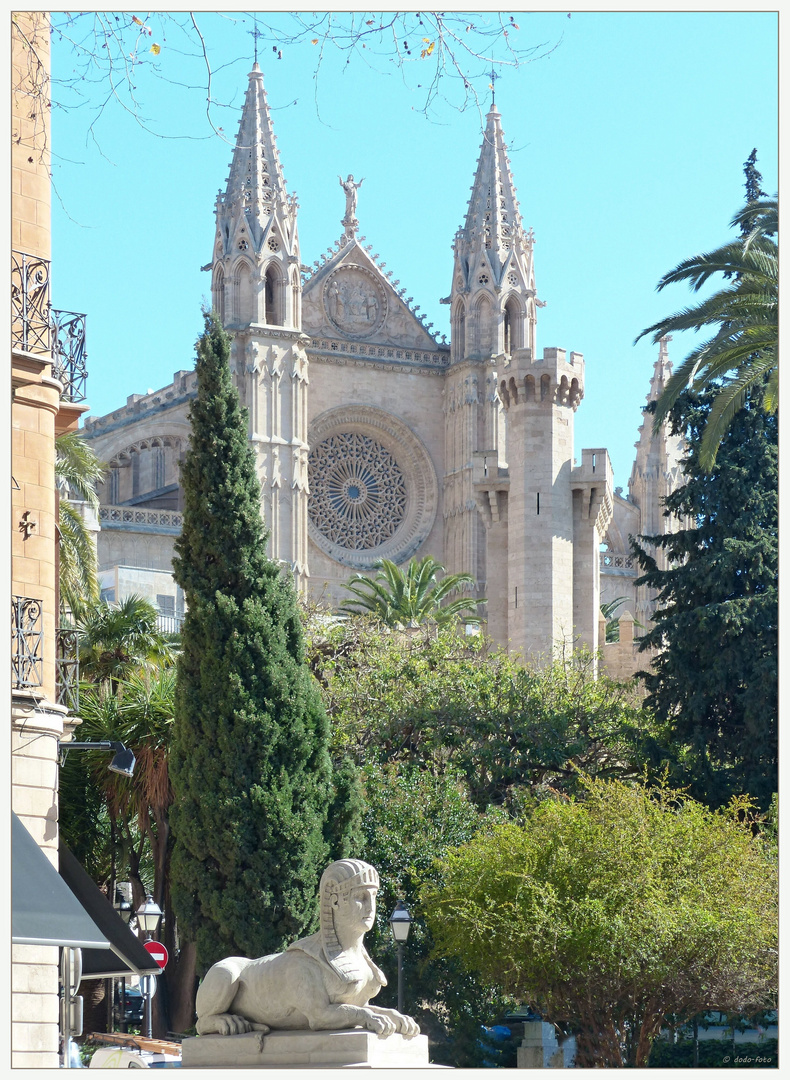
(373, 438)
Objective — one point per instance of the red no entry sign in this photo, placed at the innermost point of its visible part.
(157, 951)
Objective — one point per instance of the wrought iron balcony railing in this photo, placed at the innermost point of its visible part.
(37, 328)
(30, 315)
(68, 353)
(67, 667)
(27, 642)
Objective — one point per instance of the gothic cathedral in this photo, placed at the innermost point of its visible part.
(374, 439)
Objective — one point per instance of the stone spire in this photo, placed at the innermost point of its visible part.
(657, 467)
(493, 294)
(255, 202)
(493, 220)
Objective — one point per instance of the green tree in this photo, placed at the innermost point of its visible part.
(412, 596)
(413, 817)
(119, 827)
(116, 639)
(77, 472)
(445, 701)
(611, 912)
(250, 766)
(743, 352)
(714, 675)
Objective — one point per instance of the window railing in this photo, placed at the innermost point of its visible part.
(68, 353)
(169, 624)
(67, 667)
(30, 315)
(27, 642)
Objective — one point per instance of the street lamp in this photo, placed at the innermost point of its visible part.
(148, 916)
(123, 761)
(400, 922)
(122, 906)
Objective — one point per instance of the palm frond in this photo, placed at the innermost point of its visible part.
(77, 467)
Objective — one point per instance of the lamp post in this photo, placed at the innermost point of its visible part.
(125, 910)
(400, 922)
(148, 916)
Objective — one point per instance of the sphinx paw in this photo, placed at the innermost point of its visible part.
(222, 1024)
(380, 1025)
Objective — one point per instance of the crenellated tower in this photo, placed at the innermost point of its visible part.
(492, 316)
(256, 288)
(544, 517)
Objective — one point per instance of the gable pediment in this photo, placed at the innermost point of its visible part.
(349, 298)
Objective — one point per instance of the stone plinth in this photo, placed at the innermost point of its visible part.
(540, 1049)
(300, 1049)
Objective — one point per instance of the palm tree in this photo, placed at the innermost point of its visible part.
(412, 596)
(743, 352)
(612, 621)
(117, 639)
(77, 470)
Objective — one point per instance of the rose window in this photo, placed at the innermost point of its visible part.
(358, 494)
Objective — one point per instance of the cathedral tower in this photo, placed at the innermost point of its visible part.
(256, 289)
(544, 518)
(657, 471)
(492, 316)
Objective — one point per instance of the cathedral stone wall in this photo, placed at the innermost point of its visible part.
(372, 438)
(384, 423)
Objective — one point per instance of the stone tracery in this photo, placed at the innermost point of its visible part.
(358, 491)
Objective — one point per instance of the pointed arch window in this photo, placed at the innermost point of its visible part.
(459, 332)
(484, 327)
(295, 314)
(272, 298)
(219, 294)
(245, 310)
(513, 326)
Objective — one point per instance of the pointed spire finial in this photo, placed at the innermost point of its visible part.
(255, 35)
(494, 76)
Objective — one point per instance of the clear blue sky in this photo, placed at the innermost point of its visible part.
(627, 146)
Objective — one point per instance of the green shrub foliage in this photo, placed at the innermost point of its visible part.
(609, 912)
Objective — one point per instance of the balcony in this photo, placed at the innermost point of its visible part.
(30, 315)
(27, 643)
(38, 328)
(67, 667)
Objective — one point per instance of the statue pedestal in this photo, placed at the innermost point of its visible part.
(355, 1049)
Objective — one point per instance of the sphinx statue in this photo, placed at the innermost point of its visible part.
(323, 982)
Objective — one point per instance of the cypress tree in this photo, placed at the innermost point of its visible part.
(715, 675)
(254, 797)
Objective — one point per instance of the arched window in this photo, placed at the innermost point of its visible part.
(459, 332)
(484, 327)
(219, 294)
(271, 298)
(245, 302)
(513, 326)
(295, 314)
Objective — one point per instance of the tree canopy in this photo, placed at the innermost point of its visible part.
(609, 912)
(714, 674)
(411, 596)
(444, 700)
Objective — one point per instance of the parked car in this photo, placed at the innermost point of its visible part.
(133, 1011)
